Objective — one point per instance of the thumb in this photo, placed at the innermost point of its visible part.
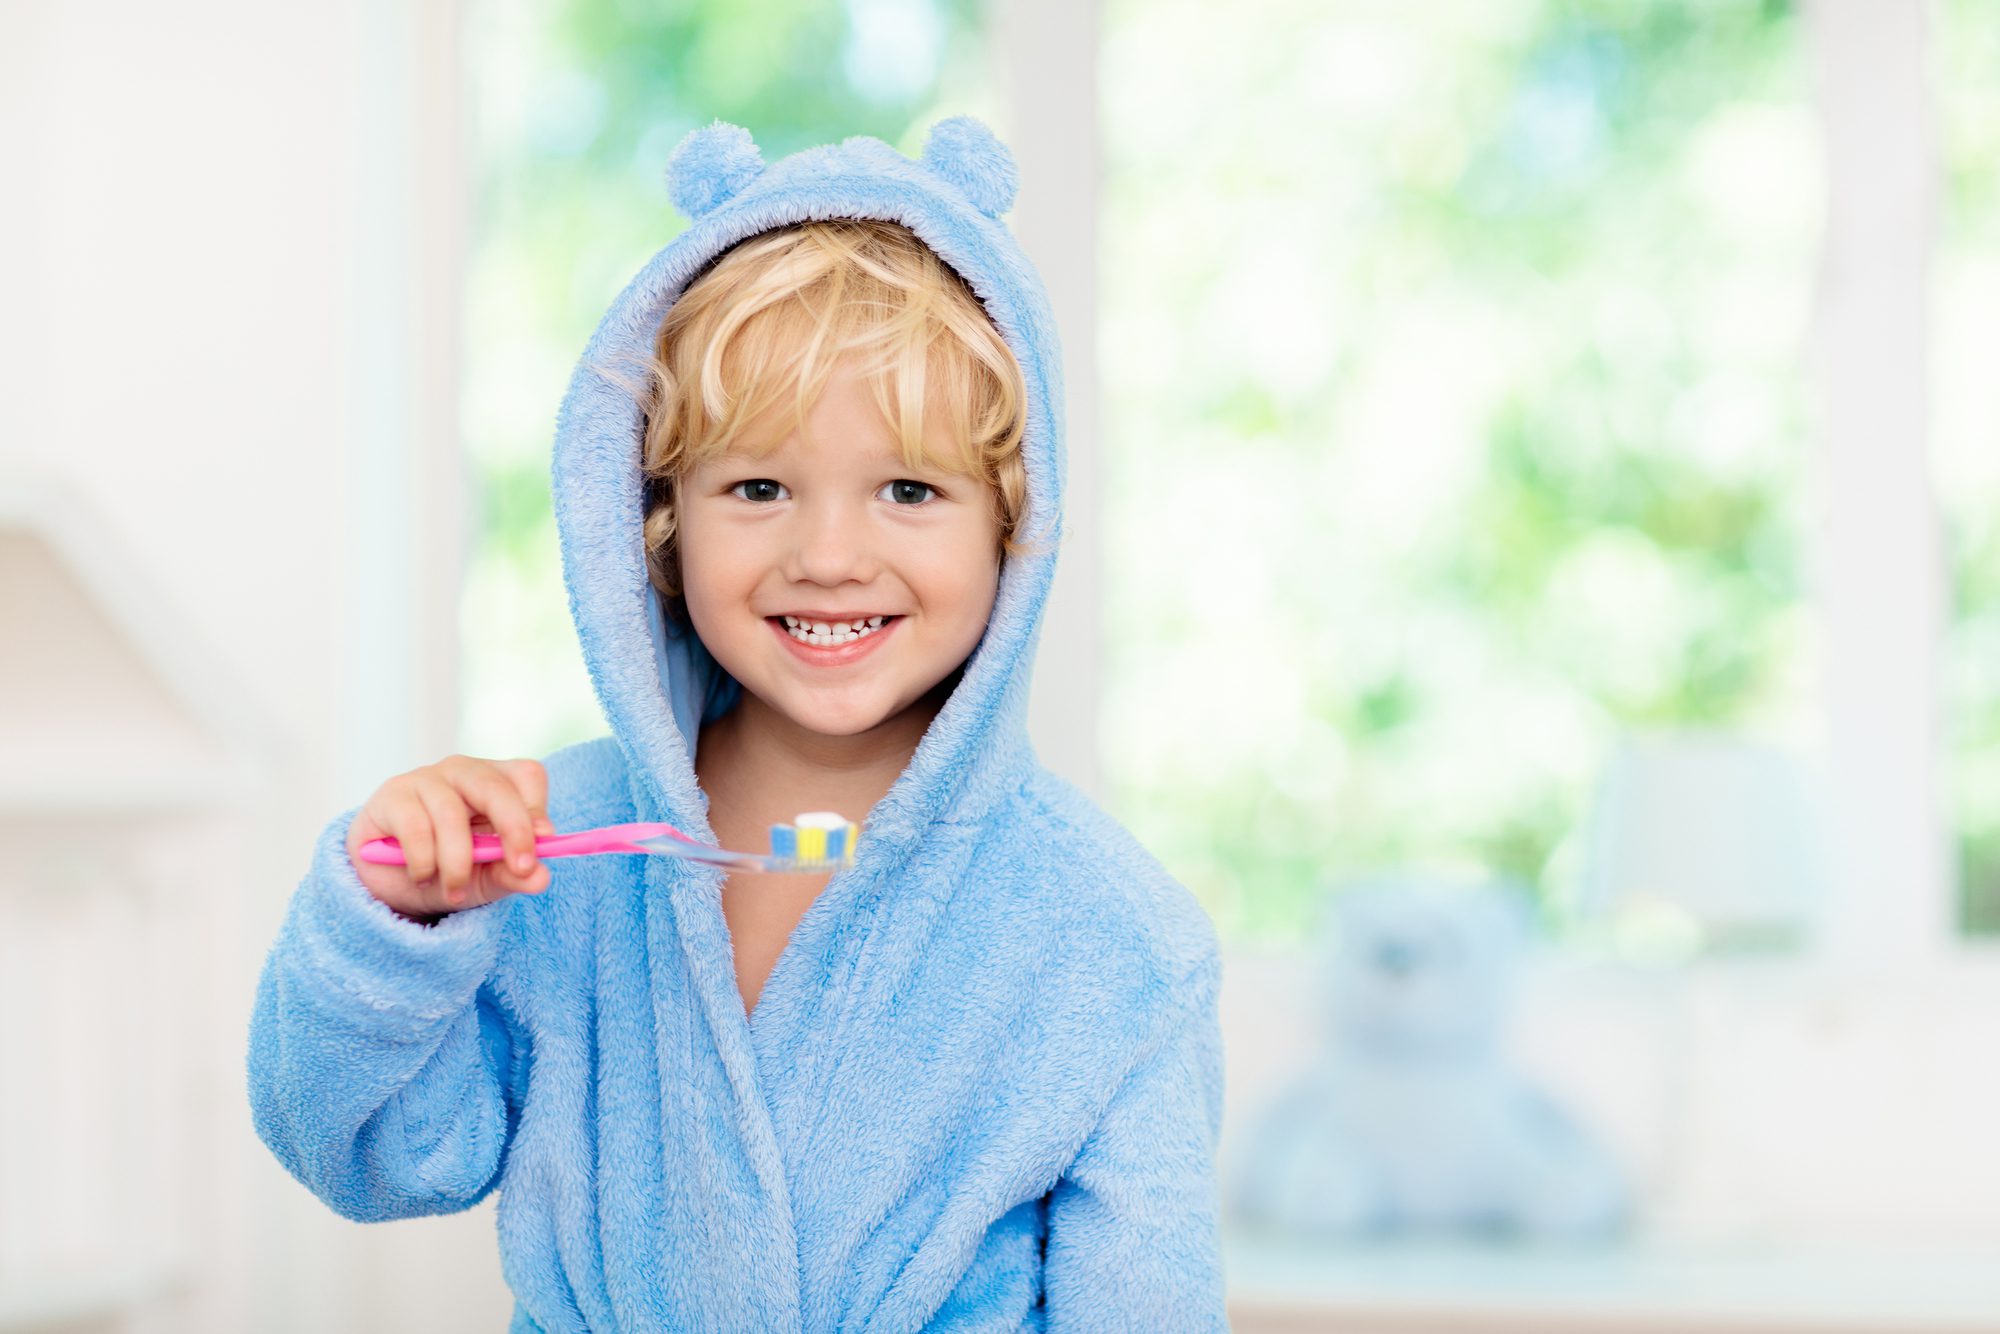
(500, 881)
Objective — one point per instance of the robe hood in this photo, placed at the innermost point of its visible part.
(657, 682)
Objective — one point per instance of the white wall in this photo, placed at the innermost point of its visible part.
(225, 336)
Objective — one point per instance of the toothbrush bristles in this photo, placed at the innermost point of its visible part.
(816, 841)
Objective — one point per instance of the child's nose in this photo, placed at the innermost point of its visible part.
(832, 543)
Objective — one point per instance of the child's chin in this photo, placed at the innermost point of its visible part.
(839, 722)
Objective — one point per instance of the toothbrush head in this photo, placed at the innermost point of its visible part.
(815, 841)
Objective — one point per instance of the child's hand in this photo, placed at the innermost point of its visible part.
(433, 812)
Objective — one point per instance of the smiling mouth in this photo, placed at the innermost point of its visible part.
(831, 634)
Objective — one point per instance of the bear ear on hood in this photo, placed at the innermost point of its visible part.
(711, 166)
(960, 149)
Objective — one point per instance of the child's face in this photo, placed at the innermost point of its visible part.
(837, 529)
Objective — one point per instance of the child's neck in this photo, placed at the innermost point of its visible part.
(759, 768)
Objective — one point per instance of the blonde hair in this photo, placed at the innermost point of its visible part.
(784, 309)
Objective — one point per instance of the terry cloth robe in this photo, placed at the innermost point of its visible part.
(982, 1086)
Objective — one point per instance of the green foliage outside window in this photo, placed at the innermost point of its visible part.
(1469, 427)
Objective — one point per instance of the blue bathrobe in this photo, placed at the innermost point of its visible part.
(982, 1086)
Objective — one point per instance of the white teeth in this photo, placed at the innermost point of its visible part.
(872, 620)
(826, 635)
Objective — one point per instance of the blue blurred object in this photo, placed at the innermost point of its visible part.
(1411, 1121)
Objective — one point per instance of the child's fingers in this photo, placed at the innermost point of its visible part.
(492, 881)
(500, 877)
(451, 827)
(492, 792)
(433, 813)
(397, 813)
(531, 780)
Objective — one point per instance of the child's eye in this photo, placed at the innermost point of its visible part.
(758, 486)
(902, 491)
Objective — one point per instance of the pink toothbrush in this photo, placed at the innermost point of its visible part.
(816, 841)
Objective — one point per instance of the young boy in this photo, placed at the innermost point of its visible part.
(972, 1081)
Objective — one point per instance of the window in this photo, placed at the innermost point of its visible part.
(1455, 419)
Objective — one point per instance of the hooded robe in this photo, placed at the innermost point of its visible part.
(981, 1088)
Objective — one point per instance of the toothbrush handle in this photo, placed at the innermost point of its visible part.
(490, 848)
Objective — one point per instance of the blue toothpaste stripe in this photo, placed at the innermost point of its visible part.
(784, 842)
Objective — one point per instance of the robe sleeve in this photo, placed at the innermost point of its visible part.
(1133, 1239)
(379, 1056)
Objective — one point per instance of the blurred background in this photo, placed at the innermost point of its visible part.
(1530, 449)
